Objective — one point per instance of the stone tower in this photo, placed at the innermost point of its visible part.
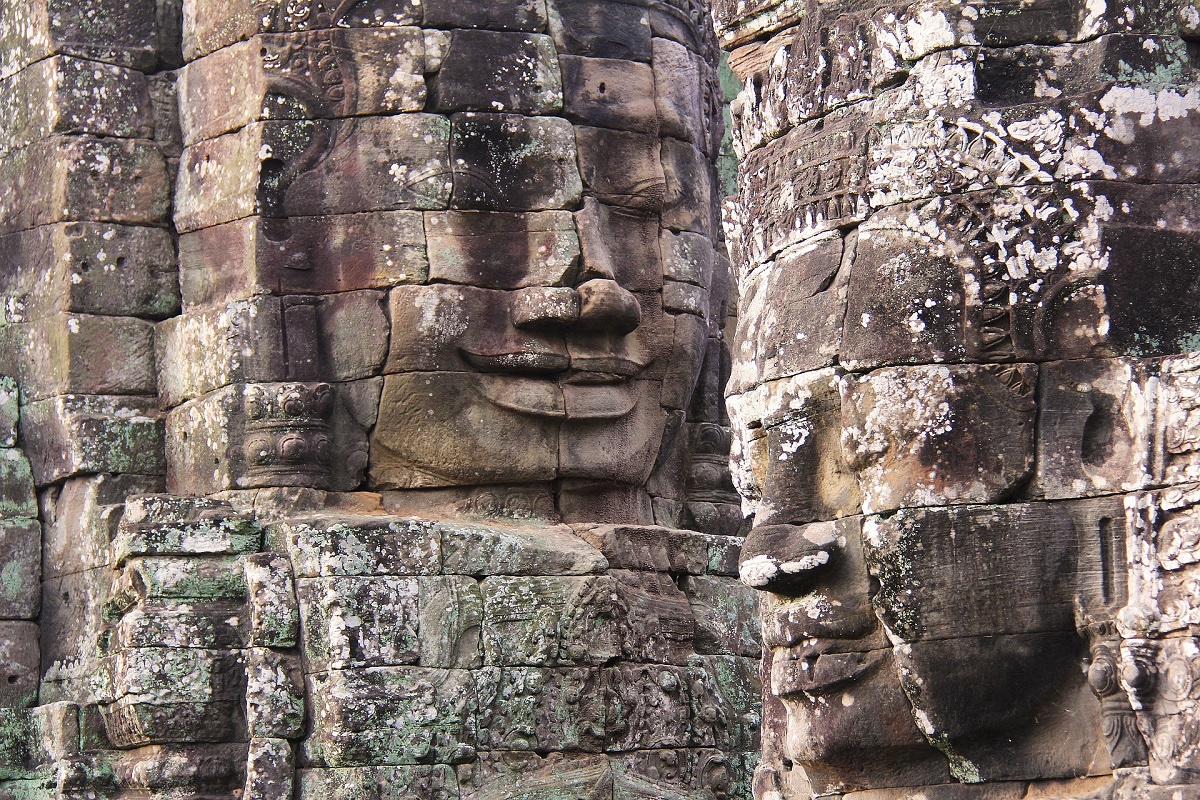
(364, 435)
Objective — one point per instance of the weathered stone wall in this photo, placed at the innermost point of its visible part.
(967, 249)
(370, 359)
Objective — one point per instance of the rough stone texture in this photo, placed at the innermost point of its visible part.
(364, 430)
(963, 392)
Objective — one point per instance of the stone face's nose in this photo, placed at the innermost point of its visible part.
(545, 307)
(606, 305)
(780, 558)
(598, 304)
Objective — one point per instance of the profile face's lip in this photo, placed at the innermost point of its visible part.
(819, 667)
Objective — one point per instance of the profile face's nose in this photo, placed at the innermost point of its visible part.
(786, 558)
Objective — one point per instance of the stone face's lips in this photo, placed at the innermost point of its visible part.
(527, 362)
(542, 397)
(818, 668)
(610, 365)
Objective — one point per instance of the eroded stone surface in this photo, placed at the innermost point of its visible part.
(941, 211)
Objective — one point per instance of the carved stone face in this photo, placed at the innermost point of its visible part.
(542, 369)
(566, 315)
(936, 390)
(905, 644)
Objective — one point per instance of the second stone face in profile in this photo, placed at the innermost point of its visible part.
(965, 275)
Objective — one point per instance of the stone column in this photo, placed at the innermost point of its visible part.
(966, 244)
(87, 265)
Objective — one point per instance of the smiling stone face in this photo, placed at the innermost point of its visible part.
(574, 292)
(956, 289)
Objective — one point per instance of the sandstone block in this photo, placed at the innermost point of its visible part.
(274, 694)
(90, 268)
(498, 71)
(654, 618)
(531, 708)
(688, 257)
(20, 659)
(9, 411)
(162, 525)
(163, 695)
(20, 568)
(374, 71)
(270, 774)
(975, 422)
(619, 450)
(87, 354)
(553, 550)
(621, 168)
(688, 349)
(648, 548)
(195, 578)
(274, 613)
(1091, 439)
(319, 255)
(176, 626)
(798, 311)
(17, 498)
(207, 27)
(66, 179)
(583, 775)
(609, 93)
(377, 783)
(1030, 549)
(451, 614)
(424, 439)
(355, 622)
(793, 469)
(391, 715)
(505, 162)
(678, 96)
(690, 201)
(341, 545)
(353, 331)
(71, 434)
(529, 621)
(810, 156)
(522, 15)
(726, 616)
(581, 28)
(648, 705)
(62, 95)
(71, 607)
(502, 251)
(126, 36)
(620, 243)
(237, 175)
(204, 350)
(685, 298)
